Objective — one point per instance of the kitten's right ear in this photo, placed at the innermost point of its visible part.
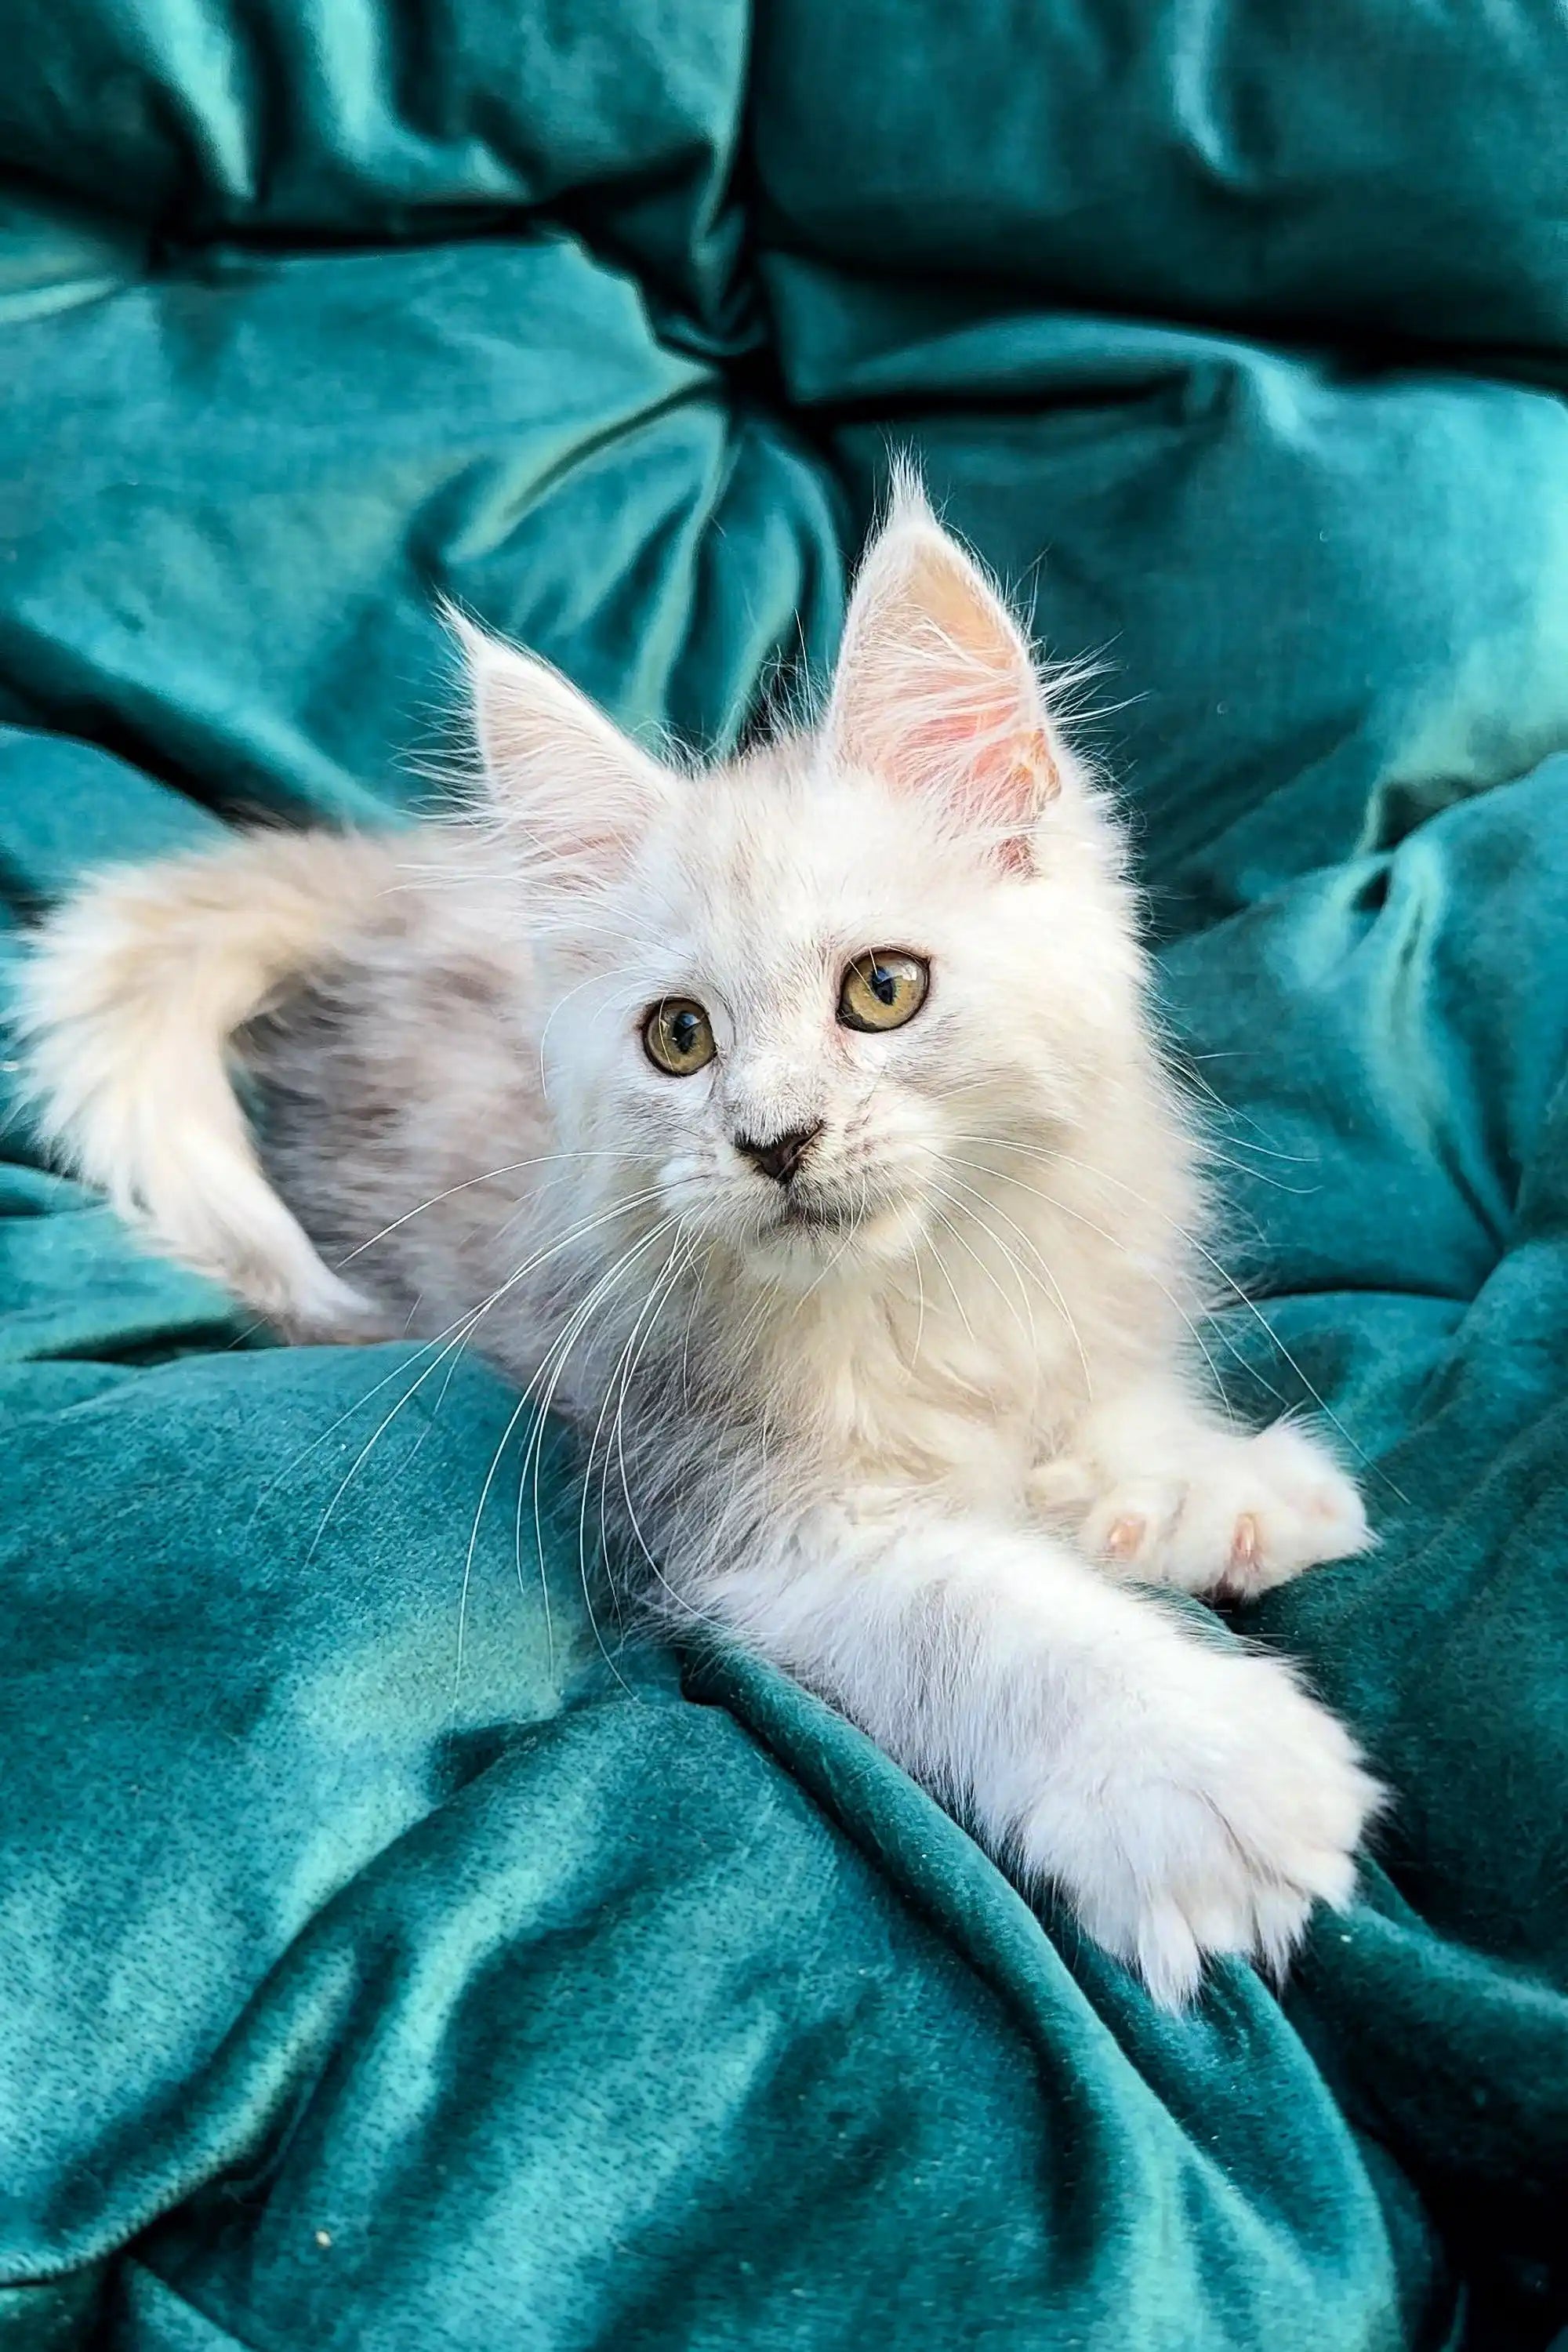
(573, 793)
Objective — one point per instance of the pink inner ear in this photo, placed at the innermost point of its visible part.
(937, 692)
(1001, 774)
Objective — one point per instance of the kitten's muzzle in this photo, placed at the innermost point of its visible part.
(780, 1157)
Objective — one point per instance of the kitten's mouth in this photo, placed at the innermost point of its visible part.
(810, 1229)
(819, 1217)
(811, 1216)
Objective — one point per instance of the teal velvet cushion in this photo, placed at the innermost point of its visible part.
(1357, 170)
(388, 1958)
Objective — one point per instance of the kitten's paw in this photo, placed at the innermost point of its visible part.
(1242, 1514)
(1234, 1803)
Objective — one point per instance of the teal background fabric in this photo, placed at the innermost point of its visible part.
(386, 1959)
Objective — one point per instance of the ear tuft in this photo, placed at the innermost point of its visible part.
(568, 789)
(936, 690)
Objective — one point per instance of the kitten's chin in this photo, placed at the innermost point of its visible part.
(806, 1239)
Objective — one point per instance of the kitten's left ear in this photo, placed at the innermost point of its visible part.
(574, 791)
(936, 690)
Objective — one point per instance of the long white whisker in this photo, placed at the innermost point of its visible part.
(554, 1366)
(595, 978)
(1262, 1321)
(608, 1403)
(952, 1287)
(469, 1318)
(618, 1434)
(690, 1313)
(1001, 1176)
(960, 1208)
(464, 1329)
(921, 1316)
(1194, 1333)
(553, 1354)
(577, 1324)
(520, 1407)
(511, 1167)
(1046, 1275)
(452, 1349)
(1175, 1225)
(1256, 1175)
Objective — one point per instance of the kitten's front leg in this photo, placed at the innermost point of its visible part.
(1188, 1798)
(1156, 1488)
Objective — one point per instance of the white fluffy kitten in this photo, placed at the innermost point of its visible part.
(796, 1126)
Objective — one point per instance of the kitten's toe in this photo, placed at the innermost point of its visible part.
(1277, 1506)
(1237, 1810)
(1130, 1529)
(1243, 1514)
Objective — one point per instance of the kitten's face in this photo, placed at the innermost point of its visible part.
(810, 1009)
(793, 1001)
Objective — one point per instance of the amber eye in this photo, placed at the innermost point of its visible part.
(882, 990)
(678, 1036)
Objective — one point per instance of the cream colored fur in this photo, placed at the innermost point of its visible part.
(905, 1422)
(145, 981)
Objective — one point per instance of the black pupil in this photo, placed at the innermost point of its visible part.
(883, 984)
(685, 1032)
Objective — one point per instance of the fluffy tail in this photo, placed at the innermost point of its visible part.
(127, 1008)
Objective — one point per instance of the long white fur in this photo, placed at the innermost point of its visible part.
(911, 1451)
(130, 1009)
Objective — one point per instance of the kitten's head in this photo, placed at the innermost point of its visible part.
(795, 997)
